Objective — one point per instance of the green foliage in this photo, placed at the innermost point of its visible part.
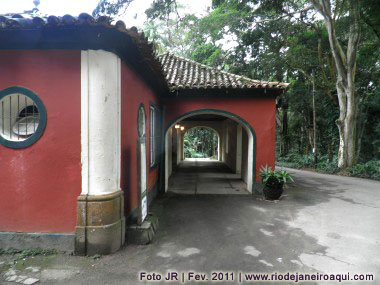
(369, 169)
(269, 176)
(295, 160)
(172, 34)
(201, 142)
(24, 253)
(161, 9)
(111, 8)
(208, 54)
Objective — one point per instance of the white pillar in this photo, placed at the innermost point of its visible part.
(179, 149)
(170, 151)
(182, 147)
(251, 176)
(223, 144)
(219, 147)
(100, 122)
(239, 136)
(167, 161)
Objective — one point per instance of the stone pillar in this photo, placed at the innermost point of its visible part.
(100, 223)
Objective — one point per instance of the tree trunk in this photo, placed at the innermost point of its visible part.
(279, 130)
(282, 125)
(315, 151)
(285, 130)
(345, 84)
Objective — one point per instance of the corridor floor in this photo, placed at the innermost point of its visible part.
(200, 176)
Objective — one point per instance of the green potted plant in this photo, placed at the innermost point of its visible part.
(273, 182)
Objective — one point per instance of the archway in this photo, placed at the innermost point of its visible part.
(251, 144)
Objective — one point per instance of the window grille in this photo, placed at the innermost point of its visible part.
(19, 117)
(22, 117)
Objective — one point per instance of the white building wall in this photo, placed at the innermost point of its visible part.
(100, 122)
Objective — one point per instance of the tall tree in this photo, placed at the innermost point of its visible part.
(345, 63)
(111, 8)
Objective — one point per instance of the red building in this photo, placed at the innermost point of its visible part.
(87, 128)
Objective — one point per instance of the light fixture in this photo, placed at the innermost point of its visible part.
(182, 128)
(177, 126)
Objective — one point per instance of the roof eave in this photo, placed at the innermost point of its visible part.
(84, 37)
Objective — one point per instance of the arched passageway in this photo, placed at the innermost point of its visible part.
(233, 170)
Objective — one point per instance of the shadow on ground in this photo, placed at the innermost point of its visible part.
(313, 228)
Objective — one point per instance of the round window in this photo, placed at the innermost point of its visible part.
(141, 121)
(22, 117)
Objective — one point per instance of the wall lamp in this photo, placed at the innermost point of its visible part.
(178, 126)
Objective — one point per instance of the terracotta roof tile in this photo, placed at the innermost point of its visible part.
(147, 62)
(182, 73)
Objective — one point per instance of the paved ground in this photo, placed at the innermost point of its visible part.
(323, 223)
(200, 176)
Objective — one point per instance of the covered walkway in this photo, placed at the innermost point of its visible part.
(232, 170)
(203, 176)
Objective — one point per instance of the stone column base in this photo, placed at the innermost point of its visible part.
(143, 234)
(100, 224)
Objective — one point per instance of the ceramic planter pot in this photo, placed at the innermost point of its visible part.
(273, 189)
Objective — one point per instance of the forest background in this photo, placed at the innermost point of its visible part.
(328, 50)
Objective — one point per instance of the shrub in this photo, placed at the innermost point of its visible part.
(369, 169)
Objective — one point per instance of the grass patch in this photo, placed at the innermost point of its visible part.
(28, 252)
(20, 254)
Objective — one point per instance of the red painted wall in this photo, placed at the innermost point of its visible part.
(39, 185)
(134, 92)
(259, 113)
